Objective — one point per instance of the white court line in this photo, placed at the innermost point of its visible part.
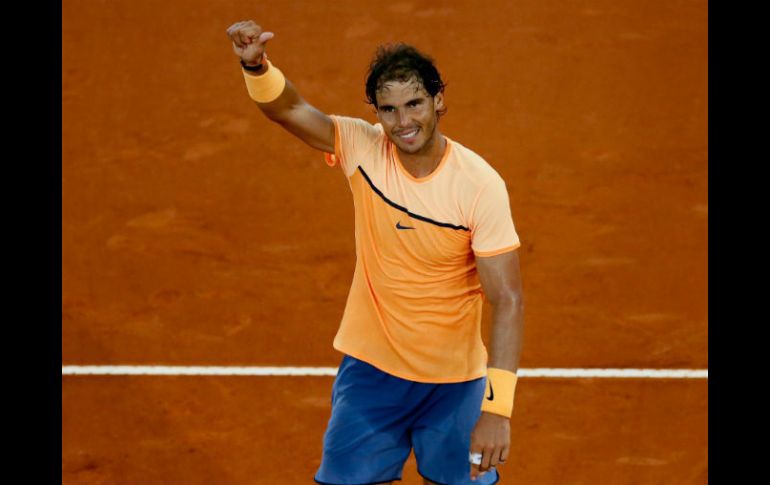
(144, 370)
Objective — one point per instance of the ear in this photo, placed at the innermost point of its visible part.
(438, 102)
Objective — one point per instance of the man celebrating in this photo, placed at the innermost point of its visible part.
(434, 237)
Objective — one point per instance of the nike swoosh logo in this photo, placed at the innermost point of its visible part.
(491, 396)
(399, 226)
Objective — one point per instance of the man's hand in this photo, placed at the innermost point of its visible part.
(492, 438)
(248, 41)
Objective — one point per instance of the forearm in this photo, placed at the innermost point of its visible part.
(288, 99)
(273, 93)
(506, 333)
(491, 437)
(279, 100)
(279, 110)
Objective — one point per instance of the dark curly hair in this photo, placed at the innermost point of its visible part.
(402, 62)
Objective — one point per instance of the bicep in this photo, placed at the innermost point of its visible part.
(301, 119)
(500, 275)
(311, 126)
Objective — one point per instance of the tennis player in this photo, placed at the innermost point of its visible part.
(434, 238)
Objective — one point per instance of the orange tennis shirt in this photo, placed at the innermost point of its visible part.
(414, 307)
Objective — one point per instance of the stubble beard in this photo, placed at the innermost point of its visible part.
(425, 147)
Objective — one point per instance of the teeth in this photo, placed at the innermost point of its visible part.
(408, 135)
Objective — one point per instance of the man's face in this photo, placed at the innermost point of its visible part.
(408, 114)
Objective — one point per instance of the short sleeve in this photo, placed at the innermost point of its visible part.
(353, 138)
(492, 229)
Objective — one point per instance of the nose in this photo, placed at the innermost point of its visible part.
(403, 119)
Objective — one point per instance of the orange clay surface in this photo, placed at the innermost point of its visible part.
(196, 232)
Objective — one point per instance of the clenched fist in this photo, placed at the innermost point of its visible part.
(248, 41)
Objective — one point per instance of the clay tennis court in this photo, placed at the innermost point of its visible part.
(197, 233)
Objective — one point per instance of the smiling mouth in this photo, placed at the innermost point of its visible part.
(409, 135)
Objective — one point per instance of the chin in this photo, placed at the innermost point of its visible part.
(410, 148)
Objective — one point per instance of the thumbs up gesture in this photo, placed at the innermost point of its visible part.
(249, 41)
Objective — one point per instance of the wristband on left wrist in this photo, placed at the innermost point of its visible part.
(501, 385)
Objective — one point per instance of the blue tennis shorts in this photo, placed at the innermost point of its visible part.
(378, 418)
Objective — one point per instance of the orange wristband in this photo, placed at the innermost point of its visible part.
(265, 87)
(501, 385)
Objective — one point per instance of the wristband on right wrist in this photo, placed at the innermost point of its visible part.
(267, 86)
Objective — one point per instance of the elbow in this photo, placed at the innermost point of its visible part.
(285, 113)
(276, 116)
(512, 300)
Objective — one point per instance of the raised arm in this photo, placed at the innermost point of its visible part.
(289, 109)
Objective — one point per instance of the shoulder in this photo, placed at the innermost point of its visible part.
(473, 167)
(348, 125)
(356, 141)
